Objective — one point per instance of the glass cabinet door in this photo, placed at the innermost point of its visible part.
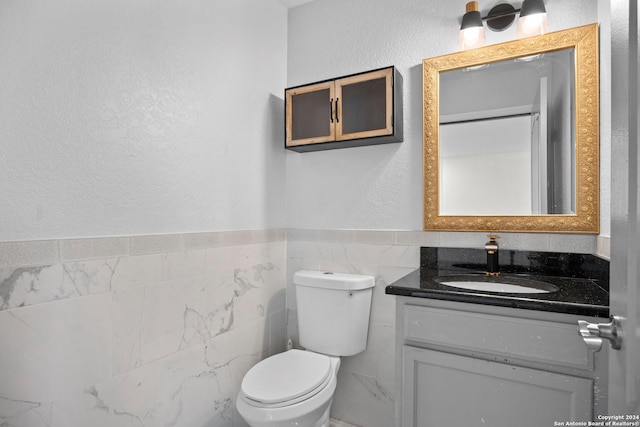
(310, 114)
(364, 105)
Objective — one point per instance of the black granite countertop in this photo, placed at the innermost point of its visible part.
(582, 280)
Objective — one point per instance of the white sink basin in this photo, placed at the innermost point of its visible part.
(496, 287)
(497, 284)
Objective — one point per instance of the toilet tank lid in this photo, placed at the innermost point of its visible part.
(330, 280)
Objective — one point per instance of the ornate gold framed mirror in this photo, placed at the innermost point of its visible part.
(511, 136)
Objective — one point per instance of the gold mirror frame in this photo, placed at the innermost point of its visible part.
(584, 41)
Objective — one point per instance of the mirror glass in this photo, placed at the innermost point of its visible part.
(507, 141)
(511, 136)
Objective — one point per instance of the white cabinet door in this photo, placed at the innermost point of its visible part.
(443, 389)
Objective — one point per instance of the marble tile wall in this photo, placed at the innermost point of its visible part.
(137, 331)
(365, 395)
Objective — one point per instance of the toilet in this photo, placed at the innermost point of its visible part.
(295, 388)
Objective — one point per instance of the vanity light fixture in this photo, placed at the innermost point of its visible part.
(532, 22)
(471, 33)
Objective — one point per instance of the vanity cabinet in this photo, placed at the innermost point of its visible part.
(462, 364)
(356, 110)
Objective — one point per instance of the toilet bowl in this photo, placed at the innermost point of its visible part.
(294, 388)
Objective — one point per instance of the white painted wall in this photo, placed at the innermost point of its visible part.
(380, 187)
(122, 118)
(144, 117)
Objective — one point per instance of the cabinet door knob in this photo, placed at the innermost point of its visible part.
(337, 115)
(593, 333)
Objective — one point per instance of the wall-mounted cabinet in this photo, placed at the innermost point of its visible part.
(351, 111)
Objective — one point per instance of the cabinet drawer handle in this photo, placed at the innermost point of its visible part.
(331, 108)
(337, 115)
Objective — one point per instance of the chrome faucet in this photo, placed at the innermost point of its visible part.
(493, 266)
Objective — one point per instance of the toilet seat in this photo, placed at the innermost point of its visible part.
(286, 378)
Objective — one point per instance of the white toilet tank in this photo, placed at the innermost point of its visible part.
(333, 311)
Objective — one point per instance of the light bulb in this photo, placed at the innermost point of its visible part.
(471, 38)
(533, 19)
(532, 25)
